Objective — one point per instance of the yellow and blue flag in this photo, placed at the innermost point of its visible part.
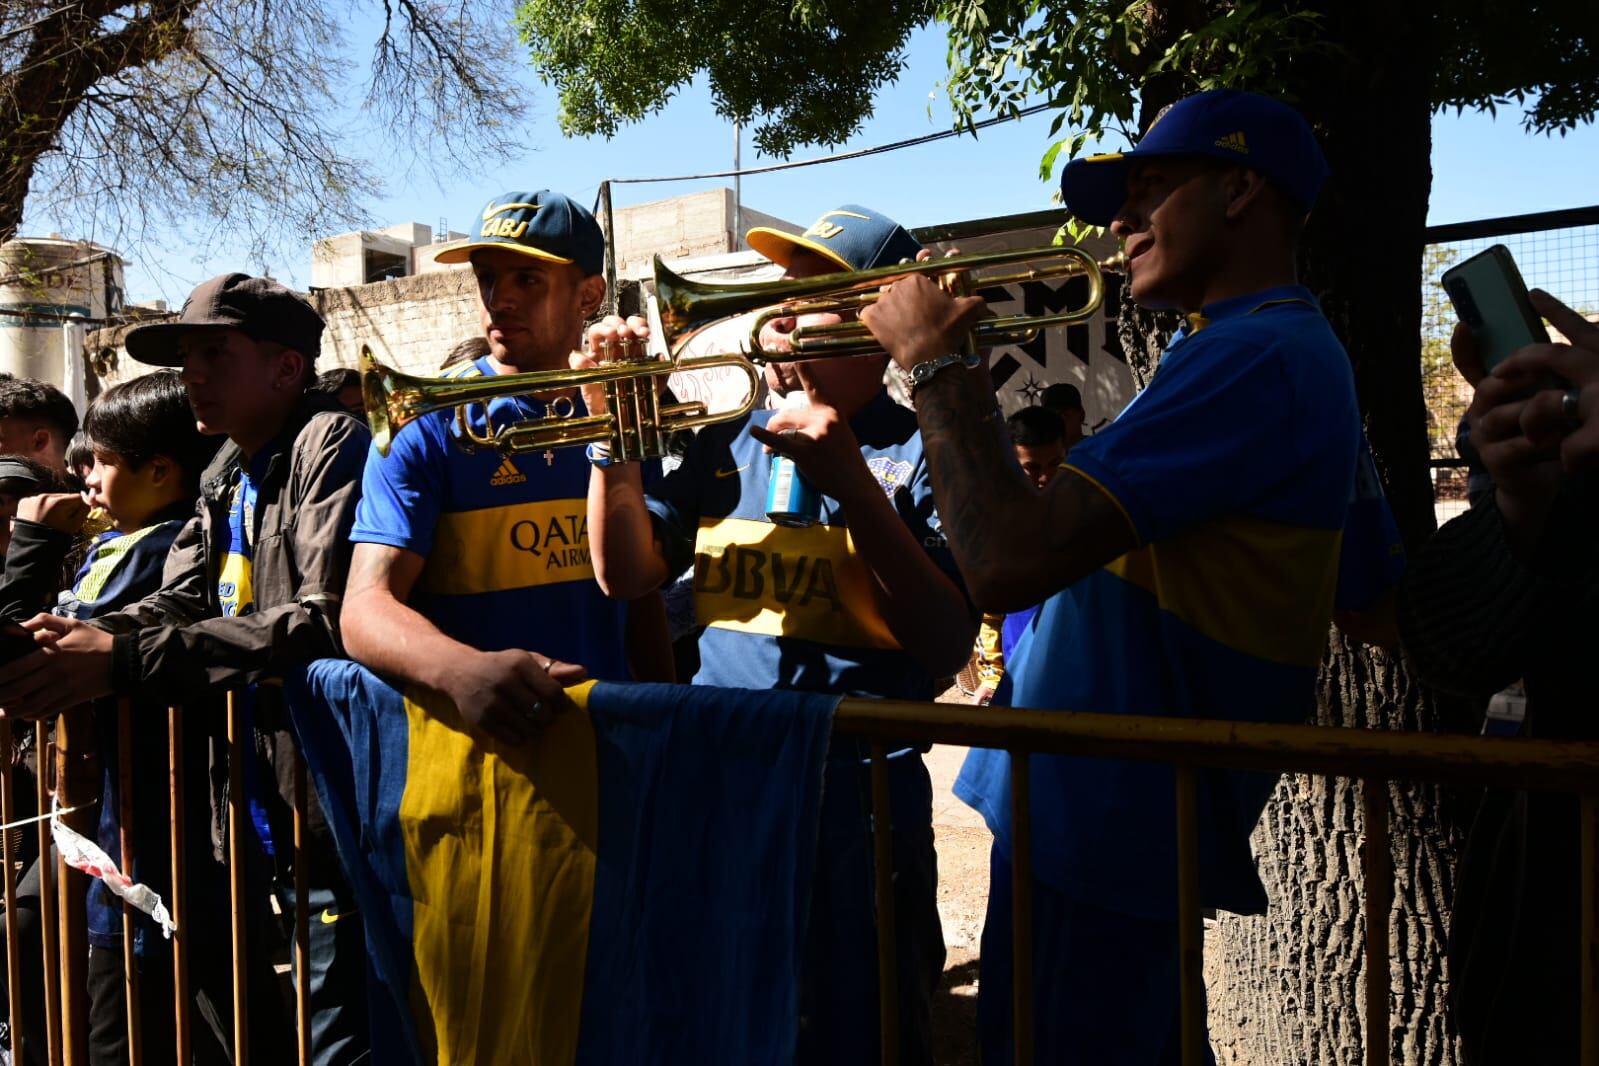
(630, 888)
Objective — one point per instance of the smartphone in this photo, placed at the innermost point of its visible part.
(1491, 299)
(15, 642)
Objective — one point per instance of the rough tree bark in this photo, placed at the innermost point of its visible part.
(1286, 987)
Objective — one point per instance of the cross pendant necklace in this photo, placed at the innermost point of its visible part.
(549, 458)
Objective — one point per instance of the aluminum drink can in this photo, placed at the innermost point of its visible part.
(790, 499)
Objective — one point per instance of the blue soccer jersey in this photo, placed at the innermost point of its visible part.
(1235, 470)
(794, 608)
(505, 537)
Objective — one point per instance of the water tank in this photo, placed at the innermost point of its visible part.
(51, 291)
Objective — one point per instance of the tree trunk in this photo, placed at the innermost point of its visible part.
(1285, 987)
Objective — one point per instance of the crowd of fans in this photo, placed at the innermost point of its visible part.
(223, 521)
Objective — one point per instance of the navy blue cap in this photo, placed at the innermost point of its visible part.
(854, 237)
(545, 225)
(1257, 131)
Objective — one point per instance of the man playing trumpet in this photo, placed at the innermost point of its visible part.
(471, 575)
(1191, 547)
(865, 601)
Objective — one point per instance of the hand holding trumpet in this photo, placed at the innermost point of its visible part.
(613, 339)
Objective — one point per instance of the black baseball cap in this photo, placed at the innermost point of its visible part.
(260, 308)
(17, 477)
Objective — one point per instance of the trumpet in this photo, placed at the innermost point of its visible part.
(636, 427)
(688, 307)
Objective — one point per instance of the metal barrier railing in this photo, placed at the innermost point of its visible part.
(1376, 757)
(60, 747)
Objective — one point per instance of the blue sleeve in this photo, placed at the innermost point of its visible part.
(402, 492)
(674, 502)
(1209, 436)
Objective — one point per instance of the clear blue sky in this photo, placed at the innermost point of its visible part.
(1482, 166)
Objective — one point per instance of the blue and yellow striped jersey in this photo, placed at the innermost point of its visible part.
(505, 538)
(794, 608)
(1235, 469)
(123, 568)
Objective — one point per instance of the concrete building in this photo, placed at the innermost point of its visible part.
(369, 256)
(52, 292)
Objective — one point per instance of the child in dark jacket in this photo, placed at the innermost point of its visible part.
(147, 457)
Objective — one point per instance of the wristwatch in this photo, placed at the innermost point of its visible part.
(923, 372)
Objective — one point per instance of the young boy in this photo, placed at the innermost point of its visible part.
(146, 457)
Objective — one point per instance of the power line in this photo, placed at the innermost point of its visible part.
(17, 31)
(841, 156)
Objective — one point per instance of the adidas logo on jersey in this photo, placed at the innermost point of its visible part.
(507, 474)
(1235, 141)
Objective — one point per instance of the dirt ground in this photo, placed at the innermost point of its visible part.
(962, 841)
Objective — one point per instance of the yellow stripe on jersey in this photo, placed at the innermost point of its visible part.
(754, 577)
(234, 586)
(517, 546)
(1259, 587)
(487, 829)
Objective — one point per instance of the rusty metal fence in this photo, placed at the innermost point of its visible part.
(1375, 757)
(60, 748)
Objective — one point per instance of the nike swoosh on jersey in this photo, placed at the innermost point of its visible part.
(735, 470)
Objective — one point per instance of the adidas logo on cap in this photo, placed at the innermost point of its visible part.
(507, 474)
(1235, 141)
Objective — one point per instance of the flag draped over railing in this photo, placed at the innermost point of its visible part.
(630, 888)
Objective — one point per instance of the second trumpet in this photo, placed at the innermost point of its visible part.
(688, 307)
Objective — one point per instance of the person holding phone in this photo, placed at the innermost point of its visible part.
(1507, 590)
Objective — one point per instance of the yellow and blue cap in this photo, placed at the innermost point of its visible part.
(1255, 131)
(852, 236)
(544, 225)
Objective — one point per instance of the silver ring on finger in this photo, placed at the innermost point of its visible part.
(1571, 406)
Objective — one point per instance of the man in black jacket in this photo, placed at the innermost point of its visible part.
(1509, 590)
(253, 585)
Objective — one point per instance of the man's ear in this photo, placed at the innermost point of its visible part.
(590, 295)
(291, 374)
(1243, 188)
(41, 440)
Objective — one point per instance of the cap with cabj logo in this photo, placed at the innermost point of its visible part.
(1256, 131)
(545, 225)
(853, 237)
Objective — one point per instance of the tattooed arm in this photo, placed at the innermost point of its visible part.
(1014, 545)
